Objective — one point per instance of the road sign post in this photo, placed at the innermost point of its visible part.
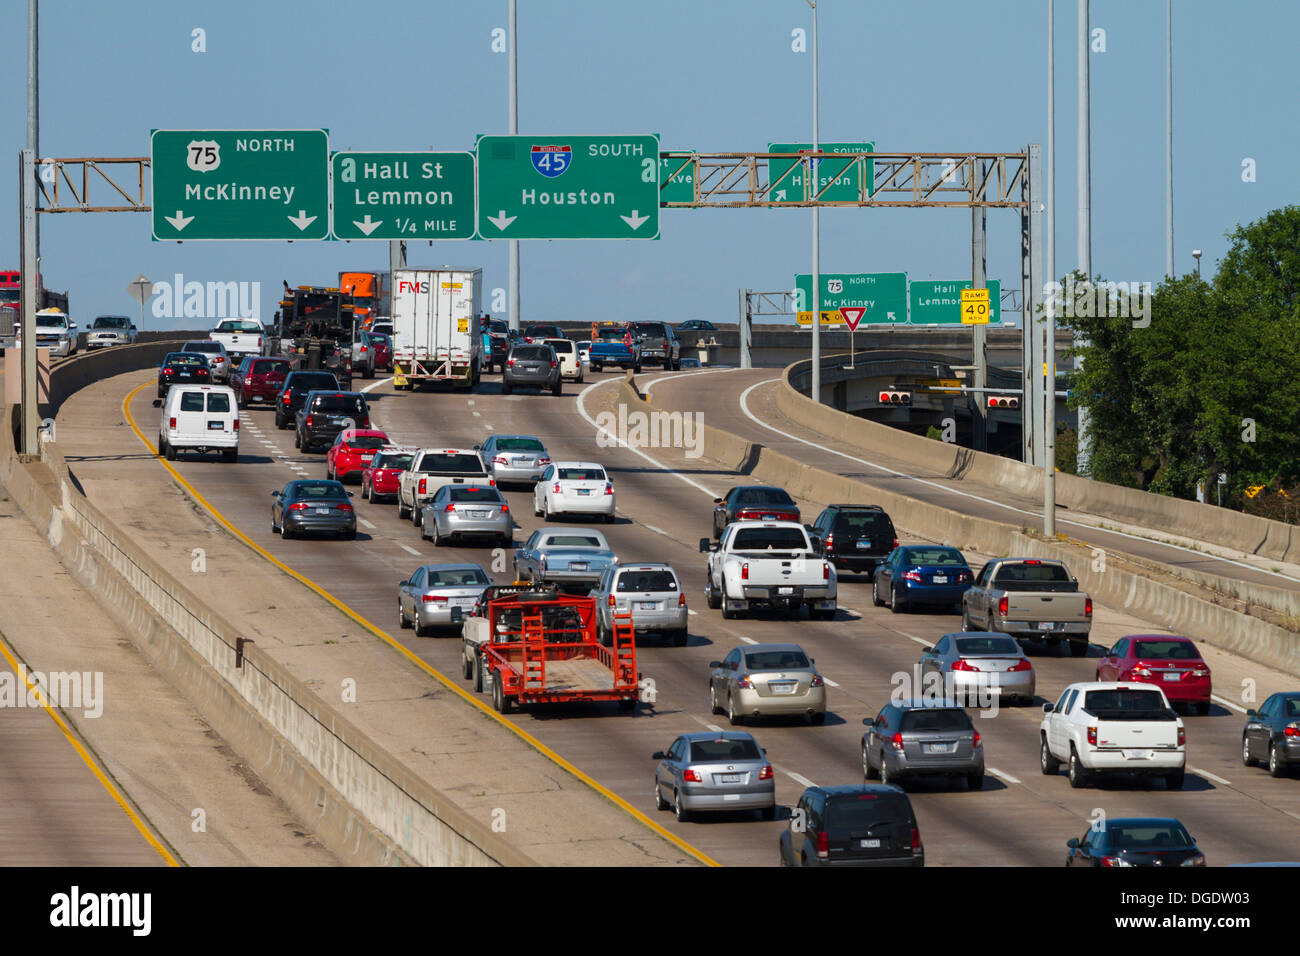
(568, 187)
(240, 184)
(140, 289)
(852, 316)
(415, 195)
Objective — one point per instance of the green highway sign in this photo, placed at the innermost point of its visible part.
(676, 177)
(568, 187)
(844, 175)
(882, 294)
(939, 303)
(240, 184)
(417, 195)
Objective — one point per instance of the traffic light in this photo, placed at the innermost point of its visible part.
(894, 396)
(1004, 401)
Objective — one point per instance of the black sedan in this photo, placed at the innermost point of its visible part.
(188, 368)
(753, 503)
(314, 506)
(697, 325)
(1272, 734)
(1135, 841)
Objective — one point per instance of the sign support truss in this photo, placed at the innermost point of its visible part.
(65, 184)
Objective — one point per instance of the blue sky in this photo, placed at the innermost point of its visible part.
(715, 75)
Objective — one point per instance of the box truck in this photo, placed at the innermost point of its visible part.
(436, 335)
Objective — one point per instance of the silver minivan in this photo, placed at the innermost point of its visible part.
(651, 593)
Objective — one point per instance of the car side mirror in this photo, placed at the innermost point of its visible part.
(275, 494)
(1252, 713)
(715, 663)
(868, 721)
(658, 755)
(927, 650)
(402, 584)
(1047, 708)
(717, 501)
(351, 494)
(1072, 843)
(704, 545)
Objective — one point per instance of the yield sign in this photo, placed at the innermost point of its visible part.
(852, 315)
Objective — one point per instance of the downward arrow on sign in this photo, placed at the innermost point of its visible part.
(302, 220)
(368, 226)
(501, 220)
(634, 220)
(180, 220)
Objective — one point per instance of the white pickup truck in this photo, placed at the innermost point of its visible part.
(1113, 728)
(768, 563)
(240, 337)
(431, 468)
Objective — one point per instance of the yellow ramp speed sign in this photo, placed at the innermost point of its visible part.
(975, 306)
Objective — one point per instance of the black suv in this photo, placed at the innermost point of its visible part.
(856, 825)
(326, 413)
(500, 339)
(855, 537)
(658, 344)
(296, 387)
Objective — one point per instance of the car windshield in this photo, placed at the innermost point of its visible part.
(582, 474)
(497, 327)
(1149, 836)
(647, 581)
(317, 489)
(572, 541)
(519, 444)
(209, 348)
(270, 367)
(52, 321)
(451, 463)
(1125, 702)
(649, 328)
(776, 660)
(239, 325)
(378, 338)
(456, 577)
(543, 331)
(850, 814)
(192, 359)
(561, 345)
(769, 539)
(944, 557)
(367, 442)
(1165, 650)
(305, 383)
(532, 353)
(716, 751)
(218, 402)
(111, 322)
(606, 335)
(988, 645)
(340, 405)
(935, 719)
(762, 496)
(461, 493)
(192, 401)
(862, 522)
(1011, 573)
(399, 462)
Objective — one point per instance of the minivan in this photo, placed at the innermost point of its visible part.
(200, 418)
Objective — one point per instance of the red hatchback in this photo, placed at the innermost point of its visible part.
(380, 477)
(353, 450)
(1172, 663)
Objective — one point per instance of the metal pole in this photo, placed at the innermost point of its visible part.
(1049, 343)
(27, 242)
(34, 95)
(513, 291)
(979, 360)
(1041, 389)
(743, 329)
(1169, 138)
(1085, 214)
(814, 173)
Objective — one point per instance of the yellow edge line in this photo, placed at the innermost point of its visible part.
(406, 652)
(85, 756)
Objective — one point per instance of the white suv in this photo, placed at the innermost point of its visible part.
(566, 350)
(200, 418)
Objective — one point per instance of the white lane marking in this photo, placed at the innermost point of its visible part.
(666, 378)
(488, 426)
(849, 610)
(471, 401)
(748, 640)
(1002, 776)
(650, 527)
(582, 410)
(374, 385)
(744, 407)
(714, 727)
(366, 523)
(797, 778)
(912, 637)
(692, 613)
(828, 682)
(1227, 703)
(409, 550)
(478, 415)
(1209, 776)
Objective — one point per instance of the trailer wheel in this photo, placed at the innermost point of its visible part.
(478, 674)
(500, 702)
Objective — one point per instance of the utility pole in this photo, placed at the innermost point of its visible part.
(814, 174)
(513, 290)
(34, 94)
(1085, 216)
(1169, 139)
(29, 238)
(1049, 345)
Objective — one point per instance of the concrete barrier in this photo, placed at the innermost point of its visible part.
(1226, 622)
(362, 803)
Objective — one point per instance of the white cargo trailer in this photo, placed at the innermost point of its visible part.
(436, 335)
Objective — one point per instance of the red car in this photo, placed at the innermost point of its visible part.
(380, 477)
(259, 380)
(1172, 663)
(383, 349)
(352, 451)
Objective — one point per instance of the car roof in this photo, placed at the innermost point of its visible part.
(718, 735)
(332, 391)
(578, 464)
(443, 450)
(365, 433)
(925, 703)
(763, 487)
(844, 507)
(854, 789)
(1114, 685)
(772, 647)
(956, 634)
(209, 343)
(1142, 821)
(647, 566)
(466, 566)
(571, 531)
(1159, 637)
(498, 437)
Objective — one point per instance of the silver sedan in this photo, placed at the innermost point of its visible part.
(714, 771)
(968, 665)
(511, 458)
(476, 512)
(426, 599)
(766, 680)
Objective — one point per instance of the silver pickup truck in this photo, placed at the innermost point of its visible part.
(1030, 599)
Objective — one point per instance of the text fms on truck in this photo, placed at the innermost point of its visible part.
(436, 335)
(314, 330)
(528, 646)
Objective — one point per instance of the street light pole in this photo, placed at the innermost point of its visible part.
(814, 174)
(1049, 346)
(1084, 455)
(1196, 254)
(1169, 139)
(513, 291)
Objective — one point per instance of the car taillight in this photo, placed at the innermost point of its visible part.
(830, 541)
(543, 460)
(1182, 736)
(309, 421)
(552, 365)
(692, 776)
(896, 542)
(298, 506)
(745, 683)
(202, 373)
(916, 842)
(962, 665)
(611, 600)
(1114, 861)
(171, 422)
(510, 361)
(609, 488)
(964, 576)
(168, 371)
(1198, 860)
(1003, 605)
(681, 599)
(746, 515)
(555, 489)
(896, 741)
(823, 846)
(1291, 730)
(744, 571)
(826, 571)
(1201, 672)
(1092, 736)
(434, 599)
(912, 576)
(450, 507)
(977, 739)
(1021, 665)
(817, 681)
(344, 507)
(284, 400)
(1140, 671)
(422, 486)
(766, 772)
(1087, 607)
(505, 508)
(500, 460)
(365, 421)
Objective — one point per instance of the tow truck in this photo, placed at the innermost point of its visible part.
(315, 329)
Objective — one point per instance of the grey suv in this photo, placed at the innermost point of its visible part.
(532, 366)
(651, 593)
(922, 737)
(658, 344)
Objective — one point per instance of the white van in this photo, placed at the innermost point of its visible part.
(200, 418)
(566, 350)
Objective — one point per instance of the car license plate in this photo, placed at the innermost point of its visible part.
(584, 491)
(523, 461)
(731, 777)
(1138, 754)
(939, 748)
(467, 601)
(578, 566)
(214, 426)
(367, 459)
(322, 511)
(731, 796)
(864, 544)
(786, 688)
(646, 605)
(869, 844)
(1172, 675)
(477, 514)
(336, 421)
(1045, 625)
(940, 579)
